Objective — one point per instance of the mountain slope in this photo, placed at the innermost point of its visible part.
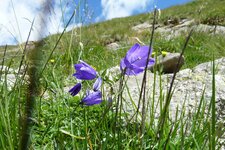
(95, 37)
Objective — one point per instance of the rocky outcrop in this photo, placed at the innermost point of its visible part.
(142, 27)
(189, 87)
(9, 75)
(168, 64)
(170, 31)
(210, 29)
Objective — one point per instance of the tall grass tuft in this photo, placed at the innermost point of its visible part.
(169, 94)
(142, 95)
(34, 73)
(213, 110)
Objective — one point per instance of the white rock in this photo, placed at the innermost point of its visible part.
(141, 27)
(113, 46)
(210, 28)
(10, 80)
(22, 69)
(168, 63)
(184, 26)
(5, 69)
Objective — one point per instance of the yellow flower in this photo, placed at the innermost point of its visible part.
(153, 54)
(52, 60)
(93, 67)
(164, 53)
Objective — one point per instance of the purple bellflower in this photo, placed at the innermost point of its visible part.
(135, 60)
(97, 84)
(92, 98)
(84, 71)
(75, 90)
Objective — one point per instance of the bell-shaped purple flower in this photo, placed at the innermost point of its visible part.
(84, 71)
(75, 90)
(97, 84)
(135, 60)
(92, 98)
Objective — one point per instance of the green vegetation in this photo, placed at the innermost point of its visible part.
(58, 121)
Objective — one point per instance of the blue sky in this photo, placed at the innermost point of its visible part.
(139, 6)
(16, 15)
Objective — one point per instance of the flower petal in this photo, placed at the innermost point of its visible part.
(135, 60)
(92, 99)
(122, 65)
(75, 90)
(132, 50)
(97, 84)
(137, 54)
(133, 71)
(84, 71)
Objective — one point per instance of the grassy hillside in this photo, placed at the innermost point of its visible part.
(96, 36)
(199, 50)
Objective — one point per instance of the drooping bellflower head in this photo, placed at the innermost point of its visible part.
(92, 98)
(97, 84)
(84, 71)
(75, 90)
(135, 60)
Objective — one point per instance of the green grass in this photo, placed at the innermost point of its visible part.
(58, 121)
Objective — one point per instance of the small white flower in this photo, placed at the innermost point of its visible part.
(81, 45)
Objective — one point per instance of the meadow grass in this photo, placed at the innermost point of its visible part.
(59, 122)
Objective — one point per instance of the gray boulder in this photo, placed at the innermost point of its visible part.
(168, 63)
(113, 46)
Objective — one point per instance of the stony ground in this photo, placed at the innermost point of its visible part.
(189, 85)
(188, 89)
